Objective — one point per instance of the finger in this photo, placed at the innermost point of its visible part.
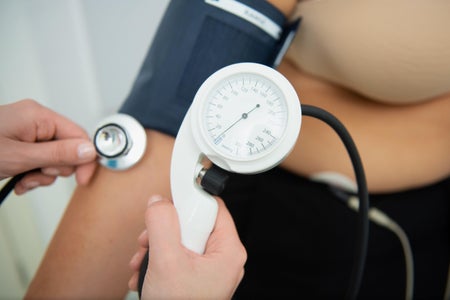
(32, 181)
(51, 125)
(65, 128)
(224, 224)
(64, 171)
(133, 282)
(136, 260)
(239, 279)
(163, 229)
(46, 123)
(143, 239)
(69, 152)
(85, 172)
(224, 240)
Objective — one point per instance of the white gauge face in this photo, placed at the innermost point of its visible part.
(244, 116)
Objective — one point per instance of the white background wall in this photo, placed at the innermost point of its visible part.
(78, 57)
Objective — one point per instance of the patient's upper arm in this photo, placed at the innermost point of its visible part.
(89, 253)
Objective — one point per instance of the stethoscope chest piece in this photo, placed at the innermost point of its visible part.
(120, 141)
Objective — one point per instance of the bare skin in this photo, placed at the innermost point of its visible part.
(177, 273)
(33, 137)
(97, 235)
(401, 146)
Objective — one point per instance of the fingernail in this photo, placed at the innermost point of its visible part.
(31, 185)
(50, 171)
(86, 151)
(153, 199)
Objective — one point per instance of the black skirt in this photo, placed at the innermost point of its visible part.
(300, 239)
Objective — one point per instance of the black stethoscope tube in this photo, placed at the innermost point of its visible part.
(9, 186)
(363, 195)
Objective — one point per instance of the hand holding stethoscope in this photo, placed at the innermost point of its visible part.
(40, 145)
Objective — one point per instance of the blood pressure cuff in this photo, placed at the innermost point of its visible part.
(194, 39)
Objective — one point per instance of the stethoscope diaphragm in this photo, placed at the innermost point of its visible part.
(120, 141)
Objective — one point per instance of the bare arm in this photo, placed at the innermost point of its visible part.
(89, 254)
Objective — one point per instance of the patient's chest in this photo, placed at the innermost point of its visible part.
(389, 50)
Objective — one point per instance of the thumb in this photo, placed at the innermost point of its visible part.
(69, 152)
(163, 227)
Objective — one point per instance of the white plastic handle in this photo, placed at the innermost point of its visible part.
(197, 210)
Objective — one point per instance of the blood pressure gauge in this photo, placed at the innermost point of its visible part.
(248, 118)
(245, 118)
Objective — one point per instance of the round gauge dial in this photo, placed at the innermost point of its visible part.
(246, 117)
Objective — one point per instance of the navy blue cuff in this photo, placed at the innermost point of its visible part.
(194, 39)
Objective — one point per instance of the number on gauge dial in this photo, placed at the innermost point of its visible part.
(245, 115)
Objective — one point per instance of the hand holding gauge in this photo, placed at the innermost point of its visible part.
(245, 118)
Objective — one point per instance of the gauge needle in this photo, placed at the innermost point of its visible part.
(243, 117)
